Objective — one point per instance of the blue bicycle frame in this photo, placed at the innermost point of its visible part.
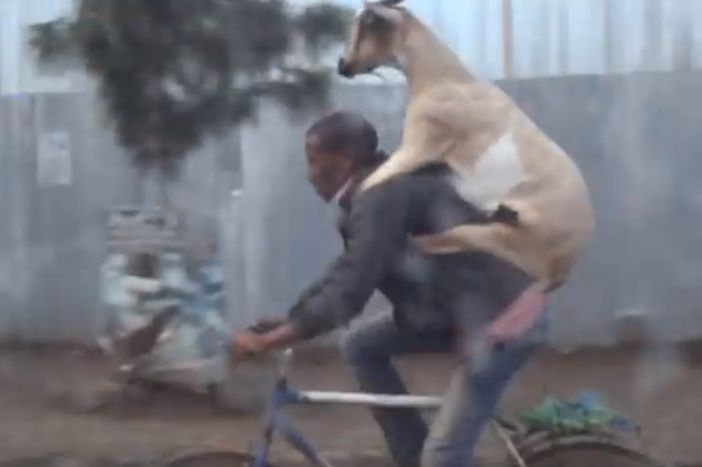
(276, 420)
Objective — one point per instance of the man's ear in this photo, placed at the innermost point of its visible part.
(347, 164)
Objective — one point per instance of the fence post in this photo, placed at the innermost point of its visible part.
(508, 38)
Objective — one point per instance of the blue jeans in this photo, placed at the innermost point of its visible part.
(468, 404)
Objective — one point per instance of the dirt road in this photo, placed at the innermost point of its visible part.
(660, 390)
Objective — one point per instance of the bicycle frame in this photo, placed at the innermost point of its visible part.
(276, 420)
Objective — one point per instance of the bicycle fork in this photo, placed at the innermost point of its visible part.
(277, 421)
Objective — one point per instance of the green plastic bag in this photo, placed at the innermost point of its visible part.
(586, 414)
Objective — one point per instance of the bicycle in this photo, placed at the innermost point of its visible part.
(525, 448)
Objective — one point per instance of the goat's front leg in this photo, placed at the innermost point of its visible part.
(404, 160)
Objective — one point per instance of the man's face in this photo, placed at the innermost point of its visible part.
(327, 172)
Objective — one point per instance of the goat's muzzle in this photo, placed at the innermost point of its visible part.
(344, 69)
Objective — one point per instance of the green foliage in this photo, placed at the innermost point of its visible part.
(171, 72)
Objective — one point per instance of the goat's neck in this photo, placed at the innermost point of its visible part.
(427, 61)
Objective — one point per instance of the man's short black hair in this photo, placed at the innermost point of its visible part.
(348, 133)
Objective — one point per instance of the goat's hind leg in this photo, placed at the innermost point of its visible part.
(473, 237)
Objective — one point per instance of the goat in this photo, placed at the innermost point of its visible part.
(503, 162)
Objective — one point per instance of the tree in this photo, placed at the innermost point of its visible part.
(172, 72)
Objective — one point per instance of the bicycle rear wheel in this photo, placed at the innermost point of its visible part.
(213, 459)
(581, 451)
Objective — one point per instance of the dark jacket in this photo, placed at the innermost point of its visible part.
(443, 292)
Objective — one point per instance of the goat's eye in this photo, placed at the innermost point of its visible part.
(374, 22)
(371, 20)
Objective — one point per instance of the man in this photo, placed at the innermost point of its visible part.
(440, 303)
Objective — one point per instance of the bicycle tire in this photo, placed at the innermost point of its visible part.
(580, 450)
(213, 459)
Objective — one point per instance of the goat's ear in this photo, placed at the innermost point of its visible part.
(392, 15)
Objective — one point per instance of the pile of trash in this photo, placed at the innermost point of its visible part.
(190, 349)
(165, 325)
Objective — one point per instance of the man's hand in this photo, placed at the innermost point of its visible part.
(248, 344)
(265, 325)
(251, 343)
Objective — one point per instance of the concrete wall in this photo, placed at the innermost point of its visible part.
(635, 139)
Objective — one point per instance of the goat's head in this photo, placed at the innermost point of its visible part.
(375, 38)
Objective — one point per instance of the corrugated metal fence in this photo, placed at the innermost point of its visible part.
(496, 38)
(53, 205)
(636, 139)
(537, 38)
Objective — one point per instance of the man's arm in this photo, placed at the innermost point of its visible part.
(311, 291)
(377, 233)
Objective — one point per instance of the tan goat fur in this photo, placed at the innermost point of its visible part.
(499, 155)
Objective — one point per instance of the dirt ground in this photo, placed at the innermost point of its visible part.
(661, 390)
